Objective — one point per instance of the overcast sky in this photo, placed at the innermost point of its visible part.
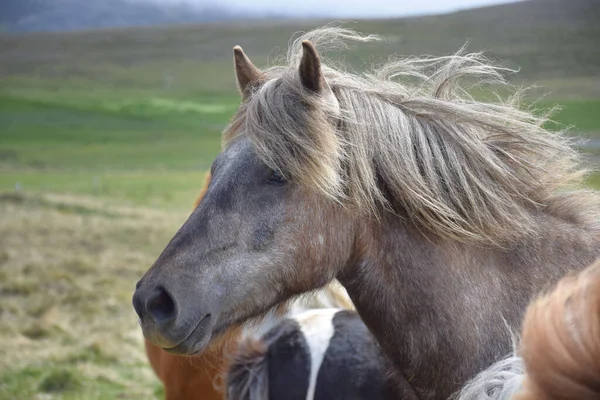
(348, 8)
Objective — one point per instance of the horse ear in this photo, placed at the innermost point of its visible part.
(245, 71)
(311, 75)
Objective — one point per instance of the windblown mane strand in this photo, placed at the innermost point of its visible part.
(458, 167)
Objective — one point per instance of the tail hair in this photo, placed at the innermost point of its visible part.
(248, 374)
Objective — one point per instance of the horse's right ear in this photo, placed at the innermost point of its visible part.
(245, 71)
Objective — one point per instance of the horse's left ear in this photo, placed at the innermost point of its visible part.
(311, 75)
(245, 71)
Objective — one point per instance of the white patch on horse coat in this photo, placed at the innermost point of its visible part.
(334, 295)
(255, 329)
(317, 327)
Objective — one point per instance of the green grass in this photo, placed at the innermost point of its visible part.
(594, 180)
(161, 189)
(583, 114)
(66, 381)
(145, 151)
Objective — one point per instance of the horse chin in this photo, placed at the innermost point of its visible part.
(197, 340)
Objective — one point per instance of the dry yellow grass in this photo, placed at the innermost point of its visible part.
(68, 267)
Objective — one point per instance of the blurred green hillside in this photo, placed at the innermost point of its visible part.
(550, 40)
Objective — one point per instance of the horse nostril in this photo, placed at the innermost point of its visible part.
(160, 306)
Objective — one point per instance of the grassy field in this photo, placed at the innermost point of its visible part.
(105, 138)
(69, 265)
(148, 153)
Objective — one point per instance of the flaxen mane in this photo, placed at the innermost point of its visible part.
(407, 137)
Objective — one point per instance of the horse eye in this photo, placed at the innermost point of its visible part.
(277, 177)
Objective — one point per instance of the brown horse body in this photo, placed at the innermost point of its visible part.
(186, 378)
(442, 216)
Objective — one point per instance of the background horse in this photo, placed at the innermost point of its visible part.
(197, 377)
(317, 354)
(561, 341)
(442, 215)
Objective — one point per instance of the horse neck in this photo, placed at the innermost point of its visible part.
(433, 301)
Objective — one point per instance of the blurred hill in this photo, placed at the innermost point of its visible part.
(68, 15)
(549, 40)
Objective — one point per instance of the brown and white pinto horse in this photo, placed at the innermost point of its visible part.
(324, 354)
(442, 215)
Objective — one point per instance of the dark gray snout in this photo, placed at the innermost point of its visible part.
(166, 324)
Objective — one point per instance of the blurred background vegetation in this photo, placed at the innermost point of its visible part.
(105, 137)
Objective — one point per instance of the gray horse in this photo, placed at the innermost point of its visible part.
(441, 215)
